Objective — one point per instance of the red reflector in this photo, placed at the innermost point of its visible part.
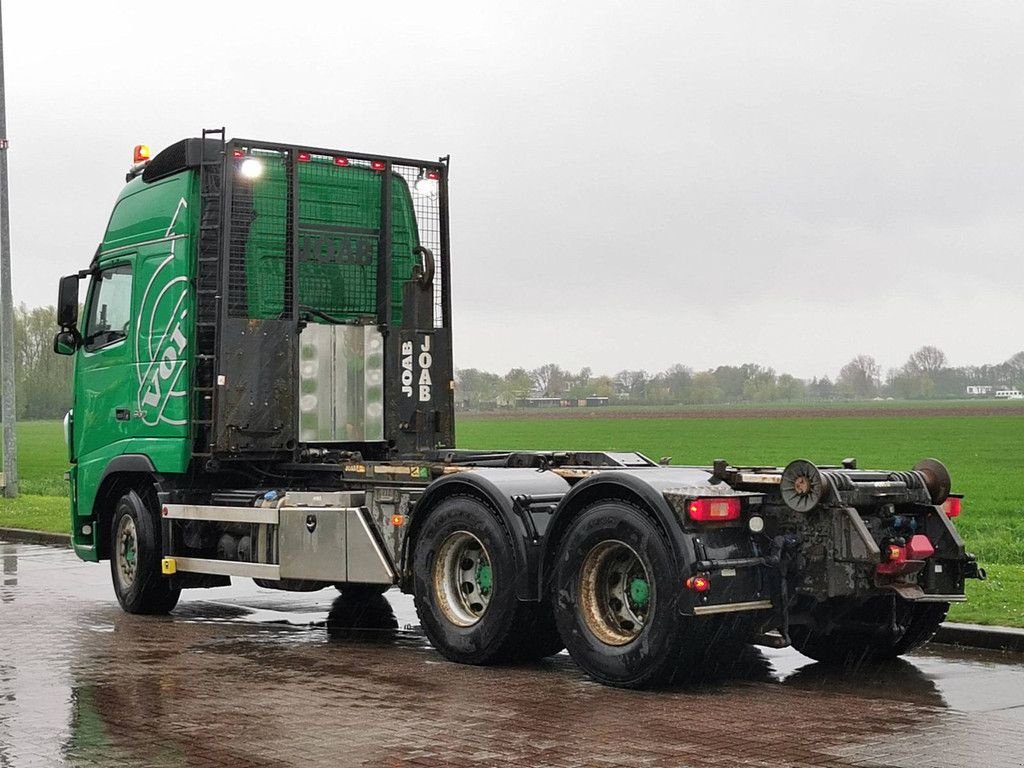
(238, 153)
(377, 165)
(951, 506)
(433, 175)
(341, 161)
(919, 548)
(304, 157)
(165, 511)
(698, 583)
(712, 510)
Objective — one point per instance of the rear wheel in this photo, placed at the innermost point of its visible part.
(616, 589)
(463, 587)
(135, 553)
(880, 629)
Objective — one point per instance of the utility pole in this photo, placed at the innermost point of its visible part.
(6, 301)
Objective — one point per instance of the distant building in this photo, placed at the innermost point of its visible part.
(975, 389)
(561, 402)
(538, 402)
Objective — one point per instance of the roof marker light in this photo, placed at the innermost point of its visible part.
(426, 184)
(304, 157)
(141, 153)
(341, 162)
(238, 154)
(378, 165)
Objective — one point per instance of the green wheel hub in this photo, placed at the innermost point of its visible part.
(639, 592)
(483, 579)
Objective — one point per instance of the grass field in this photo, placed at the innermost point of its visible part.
(984, 453)
(982, 446)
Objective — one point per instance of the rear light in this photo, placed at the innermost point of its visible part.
(398, 520)
(951, 506)
(698, 583)
(304, 157)
(341, 162)
(433, 175)
(141, 153)
(377, 165)
(919, 548)
(713, 510)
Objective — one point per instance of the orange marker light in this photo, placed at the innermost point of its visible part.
(698, 583)
(141, 153)
(398, 520)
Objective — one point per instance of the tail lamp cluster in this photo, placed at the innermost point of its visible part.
(713, 510)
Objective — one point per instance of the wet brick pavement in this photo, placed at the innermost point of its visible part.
(251, 677)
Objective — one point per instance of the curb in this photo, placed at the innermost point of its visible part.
(978, 636)
(29, 536)
(950, 633)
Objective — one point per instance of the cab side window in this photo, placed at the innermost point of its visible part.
(109, 307)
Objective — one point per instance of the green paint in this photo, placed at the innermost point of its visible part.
(639, 592)
(483, 579)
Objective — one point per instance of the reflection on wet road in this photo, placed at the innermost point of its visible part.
(252, 677)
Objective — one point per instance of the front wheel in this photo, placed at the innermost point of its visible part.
(615, 595)
(135, 559)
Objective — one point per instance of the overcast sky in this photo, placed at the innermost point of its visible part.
(633, 184)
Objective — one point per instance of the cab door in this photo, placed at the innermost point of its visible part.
(105, 366)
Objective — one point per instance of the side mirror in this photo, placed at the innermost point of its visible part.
(67, 302)
(65, 343)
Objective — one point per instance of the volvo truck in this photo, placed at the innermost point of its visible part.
(263, 388)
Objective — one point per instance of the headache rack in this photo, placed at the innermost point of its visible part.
(293, 236)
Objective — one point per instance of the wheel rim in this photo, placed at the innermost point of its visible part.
(616, 593)
(127, 553)
(463, 579)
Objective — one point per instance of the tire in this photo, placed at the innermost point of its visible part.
(620, 631)
(135, 552)
(872, 637)
(464, 584)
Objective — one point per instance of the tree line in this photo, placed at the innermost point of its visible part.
(926, 375)
(43, 379)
